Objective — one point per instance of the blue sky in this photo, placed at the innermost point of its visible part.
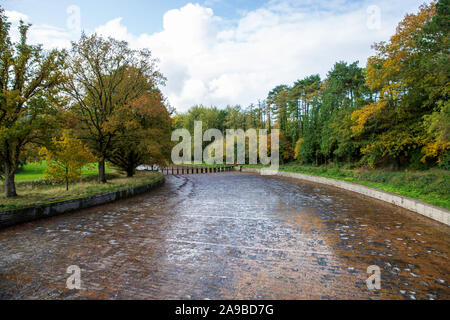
(223, 52)
(139, 15)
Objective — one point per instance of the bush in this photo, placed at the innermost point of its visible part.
(445, 162)
(416, 161)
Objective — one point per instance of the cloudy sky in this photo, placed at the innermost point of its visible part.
(223, 52)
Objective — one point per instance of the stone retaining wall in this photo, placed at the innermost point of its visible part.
(436, 213)
(13, 217)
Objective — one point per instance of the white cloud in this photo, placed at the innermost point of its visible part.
(51, 37)
(212, 61)
(278, 43)
(115, 30)
(15, 17)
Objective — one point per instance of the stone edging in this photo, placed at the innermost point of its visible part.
(428, 210)
(13, 217)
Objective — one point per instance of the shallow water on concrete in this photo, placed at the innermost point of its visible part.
(230, 236)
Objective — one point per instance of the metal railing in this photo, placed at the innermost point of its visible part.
(181, 170)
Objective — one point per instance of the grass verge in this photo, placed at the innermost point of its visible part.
(34, 195)
(431, 186)
(36, 171)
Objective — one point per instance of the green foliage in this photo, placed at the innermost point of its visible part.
(416, 162)
(410, 76)
(29, 77)
(445, 163)
(394, 112)
(101, 77)
(142, 133)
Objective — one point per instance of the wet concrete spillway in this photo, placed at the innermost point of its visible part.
(230, 236)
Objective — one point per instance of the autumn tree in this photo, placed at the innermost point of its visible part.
(143, 130)
(433, 72)
(28, 80)
(396, 111)
(97, 81)
(392, 126)
(66, 158)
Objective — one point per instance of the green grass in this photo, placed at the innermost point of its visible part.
(36, 171)
(32, 171)
(431, 186)
(35, 194)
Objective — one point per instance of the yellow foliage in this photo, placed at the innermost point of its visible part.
(435, 150)
(298, 147)
(385, 70)
(365, 114)
(66, 158)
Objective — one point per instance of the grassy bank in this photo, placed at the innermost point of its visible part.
(35, 171)
(431, 186)
(32, 194)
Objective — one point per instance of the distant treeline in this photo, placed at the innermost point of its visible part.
(394, 112)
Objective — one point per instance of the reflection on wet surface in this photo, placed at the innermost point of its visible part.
(230, 236)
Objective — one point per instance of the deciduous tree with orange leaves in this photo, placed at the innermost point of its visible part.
(102, 75)
(142, 133)
(407, 91)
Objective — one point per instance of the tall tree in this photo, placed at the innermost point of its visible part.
(392, 125)
(28, 78)
(277, 100)
(143, 130)
(433, 73)
(344, 92)
(96, 74)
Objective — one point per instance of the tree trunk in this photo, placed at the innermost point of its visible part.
(397, 164)
(67, 179)
(10, 185)
(101, 172)
(130, 172)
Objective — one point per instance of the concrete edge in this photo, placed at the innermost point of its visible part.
(14, 217)
(428, 210)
